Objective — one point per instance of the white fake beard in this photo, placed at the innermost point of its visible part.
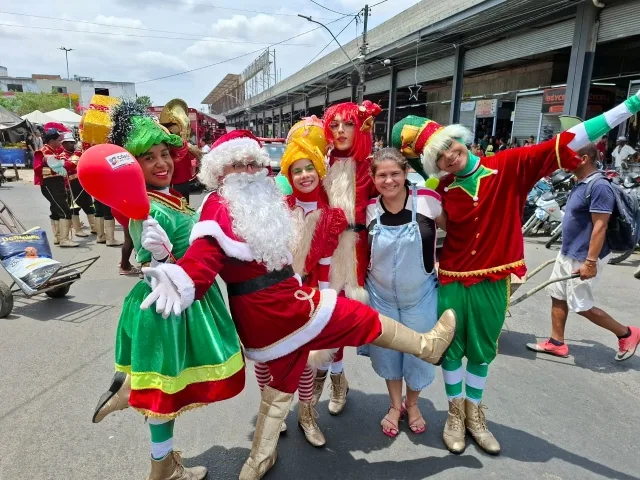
(260, 217)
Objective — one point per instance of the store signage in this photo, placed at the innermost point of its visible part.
(486, 108)
(553, 100)
(467, 106)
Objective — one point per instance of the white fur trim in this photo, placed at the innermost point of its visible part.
(241, 142)
(357, 293)
(233, 248)
(319, 359)
(302, 336)
(436, 143)
(182, 281)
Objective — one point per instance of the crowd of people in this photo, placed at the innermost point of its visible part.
(346, 260)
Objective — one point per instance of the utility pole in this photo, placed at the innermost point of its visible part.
(362, 67)
(66, 56)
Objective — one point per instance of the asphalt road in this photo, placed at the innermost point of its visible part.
(574, 418)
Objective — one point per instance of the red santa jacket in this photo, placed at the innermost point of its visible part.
(271, 322)
(349, 186)
(484, 228)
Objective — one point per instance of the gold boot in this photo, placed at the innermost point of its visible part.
(430, 347)
(65, 230)
(91, 218)
(339, 389)
(274, 407)
(77, 226)
(307, 421)
(454, 429)
(476, 423)
(55, 228)
(114, 399)
(101, 237)
(109, 231)
(171, 468)
(318, 386)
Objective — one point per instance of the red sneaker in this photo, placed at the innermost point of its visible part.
(550, 348)
(627, 346)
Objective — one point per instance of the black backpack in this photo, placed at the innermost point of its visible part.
(623, 231)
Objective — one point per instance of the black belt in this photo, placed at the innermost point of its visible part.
(261, 282)
(358, 227)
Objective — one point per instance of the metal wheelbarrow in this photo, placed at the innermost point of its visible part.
(516, 283)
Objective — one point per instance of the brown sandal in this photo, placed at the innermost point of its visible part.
(395, 428)
(412, 425)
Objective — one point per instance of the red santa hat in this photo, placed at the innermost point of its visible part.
(238, 146)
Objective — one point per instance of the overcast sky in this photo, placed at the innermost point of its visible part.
(189, 28)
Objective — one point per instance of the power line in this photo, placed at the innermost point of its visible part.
(235, 58)
(330, 42)
(326, 8)
(376, 4)
(202, 39)
(207, 5)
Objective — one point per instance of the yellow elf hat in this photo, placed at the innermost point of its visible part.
(306, 140)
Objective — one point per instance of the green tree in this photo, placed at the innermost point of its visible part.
(145, 100)
(27, 102)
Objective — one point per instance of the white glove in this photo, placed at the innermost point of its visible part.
(155, 240)
(163, 293)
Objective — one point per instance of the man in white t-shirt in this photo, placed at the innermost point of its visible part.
(621, 152)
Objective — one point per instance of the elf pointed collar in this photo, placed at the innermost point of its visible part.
(469, 179)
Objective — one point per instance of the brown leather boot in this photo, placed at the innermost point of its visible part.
(430, 347)
(77, 227)
(101, 237)
(476, 424)
(339, 390)
(274, 408)
(171, 468)
(110, 231)
(307, 421)
(114, 399)
(318, 386)
(55, 228)
(65, 230)
(454, 428)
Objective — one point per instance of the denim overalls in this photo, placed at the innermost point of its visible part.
(400, 288)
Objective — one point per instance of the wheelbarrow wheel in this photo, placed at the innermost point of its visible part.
(6, 300)
(59, 292)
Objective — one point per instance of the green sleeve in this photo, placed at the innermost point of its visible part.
(135, 230)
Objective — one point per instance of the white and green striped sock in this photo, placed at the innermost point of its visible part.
(475, 381)
(161, 437)
(452, 374)
(596, 127)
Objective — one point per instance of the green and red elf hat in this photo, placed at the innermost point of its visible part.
(420, 137)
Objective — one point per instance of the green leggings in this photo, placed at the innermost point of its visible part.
(480, 310)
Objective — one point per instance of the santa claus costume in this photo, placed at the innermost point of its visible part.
(303, 164)
(478, 258)
(244, 234)
(191, 360)
(349, 187)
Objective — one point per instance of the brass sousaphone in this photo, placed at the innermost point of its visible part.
(175, 117)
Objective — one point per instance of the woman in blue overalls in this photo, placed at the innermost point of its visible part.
(401, 280)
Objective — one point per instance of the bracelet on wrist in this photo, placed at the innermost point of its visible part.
(588, 260)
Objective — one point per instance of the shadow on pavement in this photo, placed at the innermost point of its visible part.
(587, 354)
(59, 309)
(356, 432)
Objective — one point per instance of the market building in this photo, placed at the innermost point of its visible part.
(504, 68)
(80, 89)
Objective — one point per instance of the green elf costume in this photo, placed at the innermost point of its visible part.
(484, 201)
(166, 367)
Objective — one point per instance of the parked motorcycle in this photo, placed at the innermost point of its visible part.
(548, 214)
(631, 184)
(543, 186)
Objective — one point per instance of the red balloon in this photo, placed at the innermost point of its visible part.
(111, 175)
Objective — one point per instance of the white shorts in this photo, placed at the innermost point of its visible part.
(577, 293)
